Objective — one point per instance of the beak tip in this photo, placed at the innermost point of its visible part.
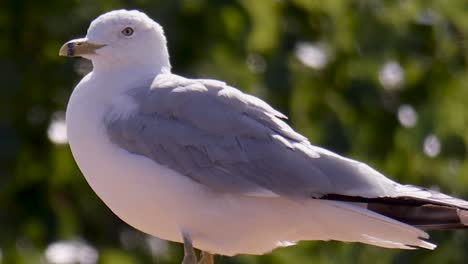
(65, 50)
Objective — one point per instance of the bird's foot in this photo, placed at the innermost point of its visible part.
(207, 258)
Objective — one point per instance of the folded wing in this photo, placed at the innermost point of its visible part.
(232, 142)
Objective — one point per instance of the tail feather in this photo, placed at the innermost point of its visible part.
(418, 207)
(425, 217)
(427, 209)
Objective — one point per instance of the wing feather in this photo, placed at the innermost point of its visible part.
(234, 143)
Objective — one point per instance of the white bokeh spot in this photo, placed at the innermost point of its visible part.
(407, 116)
(71, 252)
(431, 146)
(312, 55)
(57, 130)
(391, 75)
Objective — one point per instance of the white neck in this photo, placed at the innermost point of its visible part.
(129, 72)
(136, 70)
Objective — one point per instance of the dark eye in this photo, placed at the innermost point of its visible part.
(128, 31)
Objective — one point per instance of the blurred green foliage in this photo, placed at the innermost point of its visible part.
(384, 82)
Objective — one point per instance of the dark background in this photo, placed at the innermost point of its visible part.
(384, 82)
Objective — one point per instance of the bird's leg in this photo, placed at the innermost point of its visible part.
(189, 252)
(207, 258)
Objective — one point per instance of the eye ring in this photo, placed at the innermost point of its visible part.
(128, 31)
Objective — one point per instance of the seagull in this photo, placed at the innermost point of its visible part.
(199, 162)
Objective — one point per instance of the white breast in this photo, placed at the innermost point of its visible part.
(133, 187)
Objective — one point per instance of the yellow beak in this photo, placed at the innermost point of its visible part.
(79, 47)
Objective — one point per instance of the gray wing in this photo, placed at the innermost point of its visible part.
(234, 143)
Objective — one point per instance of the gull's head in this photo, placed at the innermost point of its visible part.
(121, 38)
